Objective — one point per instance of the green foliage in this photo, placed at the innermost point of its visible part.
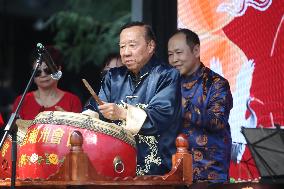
(88, 30)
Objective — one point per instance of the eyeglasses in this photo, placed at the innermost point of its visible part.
(47, 71)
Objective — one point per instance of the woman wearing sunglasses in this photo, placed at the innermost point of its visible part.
(47, 96)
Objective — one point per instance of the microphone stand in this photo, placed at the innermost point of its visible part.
(12, 128)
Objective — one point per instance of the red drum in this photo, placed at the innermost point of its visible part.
(110, 148)
(5, 152)
(5, 159)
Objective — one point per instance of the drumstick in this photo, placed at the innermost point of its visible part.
(90, 89)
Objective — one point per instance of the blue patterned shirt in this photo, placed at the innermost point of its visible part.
(207, 102)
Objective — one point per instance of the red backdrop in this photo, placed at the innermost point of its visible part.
(243, 41)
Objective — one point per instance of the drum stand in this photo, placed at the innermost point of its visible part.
(12, 128)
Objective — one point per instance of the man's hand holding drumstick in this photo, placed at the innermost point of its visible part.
(109, 110)
(112, 111)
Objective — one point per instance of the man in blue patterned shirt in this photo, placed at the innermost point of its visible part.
(206, 101)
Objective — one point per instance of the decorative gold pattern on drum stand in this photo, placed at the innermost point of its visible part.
(84, 122)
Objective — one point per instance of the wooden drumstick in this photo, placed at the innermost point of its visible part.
(90, 89)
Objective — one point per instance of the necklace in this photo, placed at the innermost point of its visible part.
(48, 101)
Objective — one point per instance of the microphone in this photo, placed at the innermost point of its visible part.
(55, 73)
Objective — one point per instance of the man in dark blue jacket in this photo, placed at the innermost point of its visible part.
(144, 96)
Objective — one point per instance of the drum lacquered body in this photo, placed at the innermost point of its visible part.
(109, 147)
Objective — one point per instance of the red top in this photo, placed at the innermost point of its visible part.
(31, 108)
(1, 121)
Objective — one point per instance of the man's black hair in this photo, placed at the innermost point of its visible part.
(192, 38)
(149, 34)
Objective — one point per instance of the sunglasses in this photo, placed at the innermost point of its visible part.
(47, 71)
